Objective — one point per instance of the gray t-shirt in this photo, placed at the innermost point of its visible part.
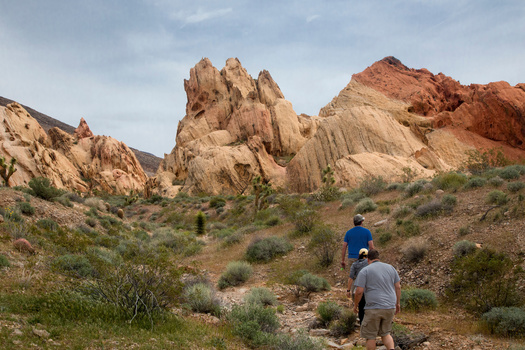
(378, 281)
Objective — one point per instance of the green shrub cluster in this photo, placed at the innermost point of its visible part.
(415, 250)
(432, 209)
(341, 321)
(201, 298)
(260, 295)
(408, 228)
(305, 220)
(402, 211)
(26, 208)
(484, 280)
(217, 202)
(324, 244)
(328, 311)
(414, 188)
(505, 321)
(253, 323)
(449, 181)
(510, 173)
(496, 181)
(4, 262)
(475, 182)
(299, 341)
(79, 265)
(372, 185)
(237, 272)
(47, 224)
(497, 197)
(365, 205)
(463, 248)
(418, 299)
(264, 250)
(515, 187)
(41, 187)
(306, 283)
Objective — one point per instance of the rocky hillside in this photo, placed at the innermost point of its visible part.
(81, 162)
(389, 118)
(148, 161)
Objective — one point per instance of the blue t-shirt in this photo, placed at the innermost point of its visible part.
(357, 238)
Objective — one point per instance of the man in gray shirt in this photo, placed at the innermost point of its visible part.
(381, 284)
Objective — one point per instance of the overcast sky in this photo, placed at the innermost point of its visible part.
(121, 64)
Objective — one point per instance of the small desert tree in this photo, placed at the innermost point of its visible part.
(7, 169)
(261, 189)
(327, 191)
(200, 223)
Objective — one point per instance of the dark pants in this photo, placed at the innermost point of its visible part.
(361, 313)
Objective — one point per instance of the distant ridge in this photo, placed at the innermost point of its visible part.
(148, 161)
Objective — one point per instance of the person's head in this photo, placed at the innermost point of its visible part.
(373, 254)
(363, 253)
(358, 219)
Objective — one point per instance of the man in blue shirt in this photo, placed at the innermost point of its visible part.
(355, 239)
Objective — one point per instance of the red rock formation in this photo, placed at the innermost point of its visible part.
(83, 130)
(495, 111)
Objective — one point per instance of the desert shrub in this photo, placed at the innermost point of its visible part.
(261, 295)
(396, 186)
(200, 297)
(200, 223)
(309, 283)
(95, 203)
(64, 200)
(463, 248)
(324, 244)
(305, 220)
(365, 205)
(496, 181)
(141, 288)
(505, 321)
(253, 323)
(232, 239)
(449, 181)
(78, 265)
(299, 341)
(176, 241)
(497, 197)
(430, 209)
(217, 202)
(475, 182)
(418, 299)
(272, 221)
(414, 250)
(290, 204)
(264, 250)
(464, 230)
(327, 194)
(515, 187)
(47, 224)
(353, 197)
(26, 208)
(402, 211)
(408, 228)
(91, 222)
(414, 188)
(449, 200)
(384, 238)
(73, 197)
(237, 272)
(345, 324)
(372, 185)
(483, 280)
(4, 262)
(107, 241)
(328, 311)
(41, 188)
(510, 173)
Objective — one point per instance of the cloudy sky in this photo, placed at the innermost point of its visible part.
(121, 64)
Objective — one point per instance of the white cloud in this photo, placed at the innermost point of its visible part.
(312, 18)
(200, 15)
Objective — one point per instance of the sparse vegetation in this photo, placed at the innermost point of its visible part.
(264, 250)
(415, 250)
(237, 272)
(365, 205)
(505, 321)
(260, 295)
(324, 245)
(418, 299)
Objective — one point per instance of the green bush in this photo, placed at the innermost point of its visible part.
(26, 208)
(414, 188)
(415, 250)
(352, 197)
(432, 209)
(324, 245)
(449, 181)
(201, 298)
(402, 211)
(299, 341)
(47, 224)
(475, 182)
(418, 299)
(505, 321)
(217, 202)
(264, 250)
(513, 187)
(449, 200)
(464, 230)
(497, 197)
(253, 323)
(41, 187)
(495, 181)
(305, 220)
(237, 272)
(408, 228)
(384, 238)
(483, 280)
(311, 283)
(365, 205)
(344, 325)
(4, 262)
(328, 311)
(372, 185)
(200, 223)
(76, 264)
(64, 200)
(510, 173)
(463, 248)
(260, 295)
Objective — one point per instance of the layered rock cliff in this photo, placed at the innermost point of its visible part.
(81, 162)
(387, 119)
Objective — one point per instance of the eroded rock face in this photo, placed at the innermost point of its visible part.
(65, 159)
(388, 119)
(495, 111)
(233, 128)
